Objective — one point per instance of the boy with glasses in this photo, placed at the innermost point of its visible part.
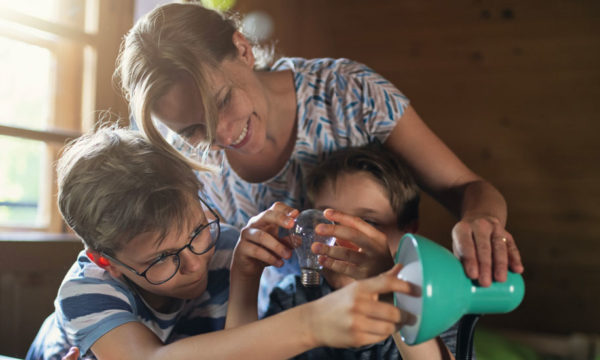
(154, 280)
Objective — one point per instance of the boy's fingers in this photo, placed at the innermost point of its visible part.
(341, 267)
(394, 271)
(375, 326)
(265, 240)
(261, 254)
(275, 217)
(407, 318)
(73, 354)
(278, 214)
(286, 209)
(341, 231)
(338, 253)
(386, 283)
(351, 221)
(380, 311)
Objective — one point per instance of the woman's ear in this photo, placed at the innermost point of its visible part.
(244, 48)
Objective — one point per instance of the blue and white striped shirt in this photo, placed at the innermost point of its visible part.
(91, 303)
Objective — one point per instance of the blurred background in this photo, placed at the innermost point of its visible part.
(512, 87)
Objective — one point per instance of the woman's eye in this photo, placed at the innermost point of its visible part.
(223, 103)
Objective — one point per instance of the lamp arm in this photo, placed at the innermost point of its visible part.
(464, 338)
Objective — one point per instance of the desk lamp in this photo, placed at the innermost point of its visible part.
(447, 294)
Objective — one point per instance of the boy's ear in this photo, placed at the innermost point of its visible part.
(103, 262)
(244, 49)
(413, 227)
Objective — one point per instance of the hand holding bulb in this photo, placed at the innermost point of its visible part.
(259, 244)
(363, 250)
(302, 236)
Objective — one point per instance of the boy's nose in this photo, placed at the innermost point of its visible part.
(190, 262)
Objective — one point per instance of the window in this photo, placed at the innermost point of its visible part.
(56, 64)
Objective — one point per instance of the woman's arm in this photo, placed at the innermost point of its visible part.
(478, 238)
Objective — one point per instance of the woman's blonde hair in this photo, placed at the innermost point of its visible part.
(172, 41)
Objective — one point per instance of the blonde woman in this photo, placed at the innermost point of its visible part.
(192, 71)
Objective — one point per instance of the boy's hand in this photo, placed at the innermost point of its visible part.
(370, 257)
(354, 316)
(73, 354)
(483, 245)
(259, 245)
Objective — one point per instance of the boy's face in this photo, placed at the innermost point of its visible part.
(191, 279)
(359, 194)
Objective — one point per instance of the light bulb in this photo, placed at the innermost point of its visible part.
(302, 236)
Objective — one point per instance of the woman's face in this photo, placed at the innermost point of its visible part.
(241, 104)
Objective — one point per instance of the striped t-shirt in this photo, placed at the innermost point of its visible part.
(90, 303)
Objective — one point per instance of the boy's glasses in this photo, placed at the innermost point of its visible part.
(161, 270)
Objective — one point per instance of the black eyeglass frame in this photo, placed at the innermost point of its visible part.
(193, 236)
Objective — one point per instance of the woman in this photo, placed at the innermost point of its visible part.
(190, 69)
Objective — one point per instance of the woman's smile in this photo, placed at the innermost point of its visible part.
(244, 136)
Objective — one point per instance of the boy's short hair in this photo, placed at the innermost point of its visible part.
(385, 167)
(113, 185)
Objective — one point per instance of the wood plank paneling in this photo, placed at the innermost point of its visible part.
(30, 274)
(513, 88)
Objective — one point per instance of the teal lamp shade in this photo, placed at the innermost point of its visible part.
(446, 292)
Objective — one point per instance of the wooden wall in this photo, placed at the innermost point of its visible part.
(513, 87)
(30, 274)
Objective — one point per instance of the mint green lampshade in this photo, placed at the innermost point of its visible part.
(446, 292)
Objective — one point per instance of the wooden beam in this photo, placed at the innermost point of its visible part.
(47, 26)
(56, 136)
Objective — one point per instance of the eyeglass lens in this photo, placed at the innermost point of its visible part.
(168, 266)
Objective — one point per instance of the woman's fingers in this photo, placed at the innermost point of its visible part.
(485, 248)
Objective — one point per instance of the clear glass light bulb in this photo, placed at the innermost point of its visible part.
(302, 237)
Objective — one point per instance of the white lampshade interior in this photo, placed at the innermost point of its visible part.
(412, 272)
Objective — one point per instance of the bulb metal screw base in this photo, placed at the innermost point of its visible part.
(310, 277)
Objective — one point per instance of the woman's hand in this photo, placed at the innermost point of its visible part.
(482, 245)
(370, 254)
(354, 315)
(259, 245)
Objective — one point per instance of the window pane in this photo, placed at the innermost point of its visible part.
(44, 9)
(25, 90)
(21, 166)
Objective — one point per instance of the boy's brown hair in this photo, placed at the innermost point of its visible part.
(385, 167)
(114, 185)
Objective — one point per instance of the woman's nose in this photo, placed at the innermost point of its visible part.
(225, 130)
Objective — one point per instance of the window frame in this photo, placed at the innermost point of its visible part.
(85, 47)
